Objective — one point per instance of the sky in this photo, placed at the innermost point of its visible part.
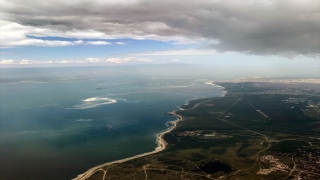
(250, 33)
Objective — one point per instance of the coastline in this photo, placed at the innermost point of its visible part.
(162, 144)
(219, 87)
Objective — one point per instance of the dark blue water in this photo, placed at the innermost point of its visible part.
(58, 122)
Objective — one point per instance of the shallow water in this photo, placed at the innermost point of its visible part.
(58, 122)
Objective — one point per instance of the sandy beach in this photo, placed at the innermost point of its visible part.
(161, 146)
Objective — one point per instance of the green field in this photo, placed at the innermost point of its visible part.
(230, 137)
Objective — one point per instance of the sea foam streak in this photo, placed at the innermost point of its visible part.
(93, 102)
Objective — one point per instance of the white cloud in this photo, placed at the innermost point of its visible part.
(98, 43)
(78, 42)
(185, 42)
(143, 60)
(22, 62)
(82, 62)
(120, 43)
(94, 60)
(175, 60)
(199, 52)
(5, 62)
(27, 62)
(14, 34)
(65, 62)
(128, 59)
(116, 60)
(39, 42)
(48, 62)
(256, 27)
(88, 60)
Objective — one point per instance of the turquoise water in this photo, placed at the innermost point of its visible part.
(58, 122)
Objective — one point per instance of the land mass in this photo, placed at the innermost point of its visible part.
(261, 129)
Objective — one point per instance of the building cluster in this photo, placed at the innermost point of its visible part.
(189, 133)
(276, 153)
(311, 164)
(307, 169)
(289, 86)
(279, 80)
(274, 165)
(295, 100)
(299, 175)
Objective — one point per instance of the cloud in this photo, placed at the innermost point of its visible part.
(143, 60)
(117, 60)
(23, 62)
(14, 34)
(120, 43)
(5, 62)
(186, 42)
(94, 60)
(98, 43)
(128, 59)
(78, 42)
(47, 62)
(27, 62)
(266, 27)
(192, 52)
(88, 60)
(64, 62)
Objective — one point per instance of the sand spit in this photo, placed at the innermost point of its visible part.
(161, 146)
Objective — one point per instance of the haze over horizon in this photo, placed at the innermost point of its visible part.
(179, 89)
(269, 34)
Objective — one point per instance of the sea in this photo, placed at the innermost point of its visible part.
(56, 123)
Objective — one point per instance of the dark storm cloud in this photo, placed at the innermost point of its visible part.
(281, 27)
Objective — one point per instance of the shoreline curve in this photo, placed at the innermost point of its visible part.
(162, 144)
